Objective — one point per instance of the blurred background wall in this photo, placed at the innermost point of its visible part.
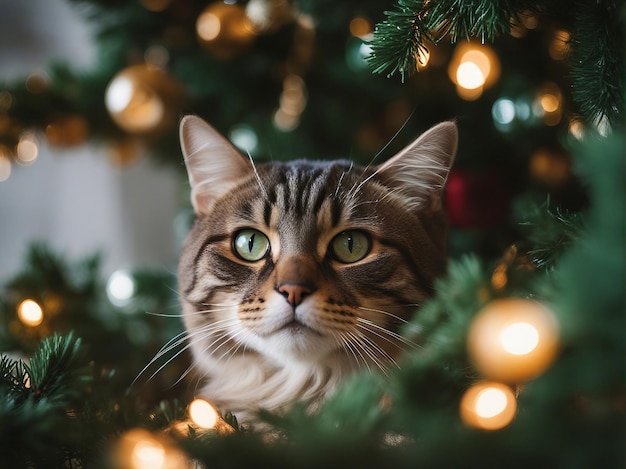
(76, 199)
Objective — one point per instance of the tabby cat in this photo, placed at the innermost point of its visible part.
(296, 274)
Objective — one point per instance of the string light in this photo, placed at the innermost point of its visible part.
(140, 449)
(5, 163)
(225, 29)
(488, 406)
(360, 27)
(27, 149)
(559, 47)
(30, 313)
(513, 340)
(473, 68)
(203, 414)
(120, 288)
(547, 105)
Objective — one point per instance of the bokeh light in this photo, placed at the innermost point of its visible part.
(30, 313)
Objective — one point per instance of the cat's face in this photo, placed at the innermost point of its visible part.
(302, 261)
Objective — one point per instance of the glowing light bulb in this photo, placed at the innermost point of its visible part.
(513, 340)
(5, 165)
(30, 313)
(208, 26)
(488, 406)
(503, 111)
(469, 76)
(27, 149)
(360, 27)
(203, 414)
(519, 338)
(148, 453)
(120, 288)
(473, 68)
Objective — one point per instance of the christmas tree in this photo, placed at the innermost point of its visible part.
(524, 343)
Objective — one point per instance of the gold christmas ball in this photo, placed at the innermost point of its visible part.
(144, 100)
(513, 340)
(225, 30)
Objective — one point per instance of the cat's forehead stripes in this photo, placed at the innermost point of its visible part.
(302, 189)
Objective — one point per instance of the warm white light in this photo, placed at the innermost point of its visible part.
(27, 149)
(488, 406)
(469, 76)
(5, 167)
(577, 129)
(202, 413)
(208, 26)
(519, 338)
(490, 402)
(120, 288)
(119, 94)
(148, 454)
(549, 103)
(30, 313)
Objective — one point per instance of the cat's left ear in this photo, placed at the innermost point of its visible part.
(421, 169)
(213, 164)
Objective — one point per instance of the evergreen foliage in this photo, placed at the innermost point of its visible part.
(82, 388)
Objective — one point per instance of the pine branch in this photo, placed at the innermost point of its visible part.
(55, 371)
(598, 61)
(550, 231)
(400, 38)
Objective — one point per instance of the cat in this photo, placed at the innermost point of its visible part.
(297, 274)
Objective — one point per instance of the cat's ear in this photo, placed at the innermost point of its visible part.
(421, 169)
(213, 164)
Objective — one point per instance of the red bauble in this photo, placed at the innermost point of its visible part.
(477, 199)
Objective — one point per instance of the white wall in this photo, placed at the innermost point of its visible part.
(75, 199)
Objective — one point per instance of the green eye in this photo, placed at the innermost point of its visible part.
(350, 246)
(251, 245)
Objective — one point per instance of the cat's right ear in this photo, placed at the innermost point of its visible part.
(213, 164)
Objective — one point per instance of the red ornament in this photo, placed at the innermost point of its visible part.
(477, 198)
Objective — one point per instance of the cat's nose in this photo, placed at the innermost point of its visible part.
(295, 293)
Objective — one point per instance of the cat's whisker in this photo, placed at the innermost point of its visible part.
(379, 353)
(397, 318)
(370, 349)
(343, 173)
(258, 178)
(177, 341)
(386, 334)
(351, 343)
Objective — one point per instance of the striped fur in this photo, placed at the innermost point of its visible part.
(255, 349)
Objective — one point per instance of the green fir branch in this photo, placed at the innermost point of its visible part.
(597, 61)
(549, 233)
(399, 39)
(56, 371)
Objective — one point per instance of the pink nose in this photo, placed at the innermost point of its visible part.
(295, 293)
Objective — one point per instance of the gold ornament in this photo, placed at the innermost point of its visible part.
(513, 340)
(144, 100)
(225, 30)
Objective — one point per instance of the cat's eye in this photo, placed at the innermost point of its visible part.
(251, 245)
(350, 246)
